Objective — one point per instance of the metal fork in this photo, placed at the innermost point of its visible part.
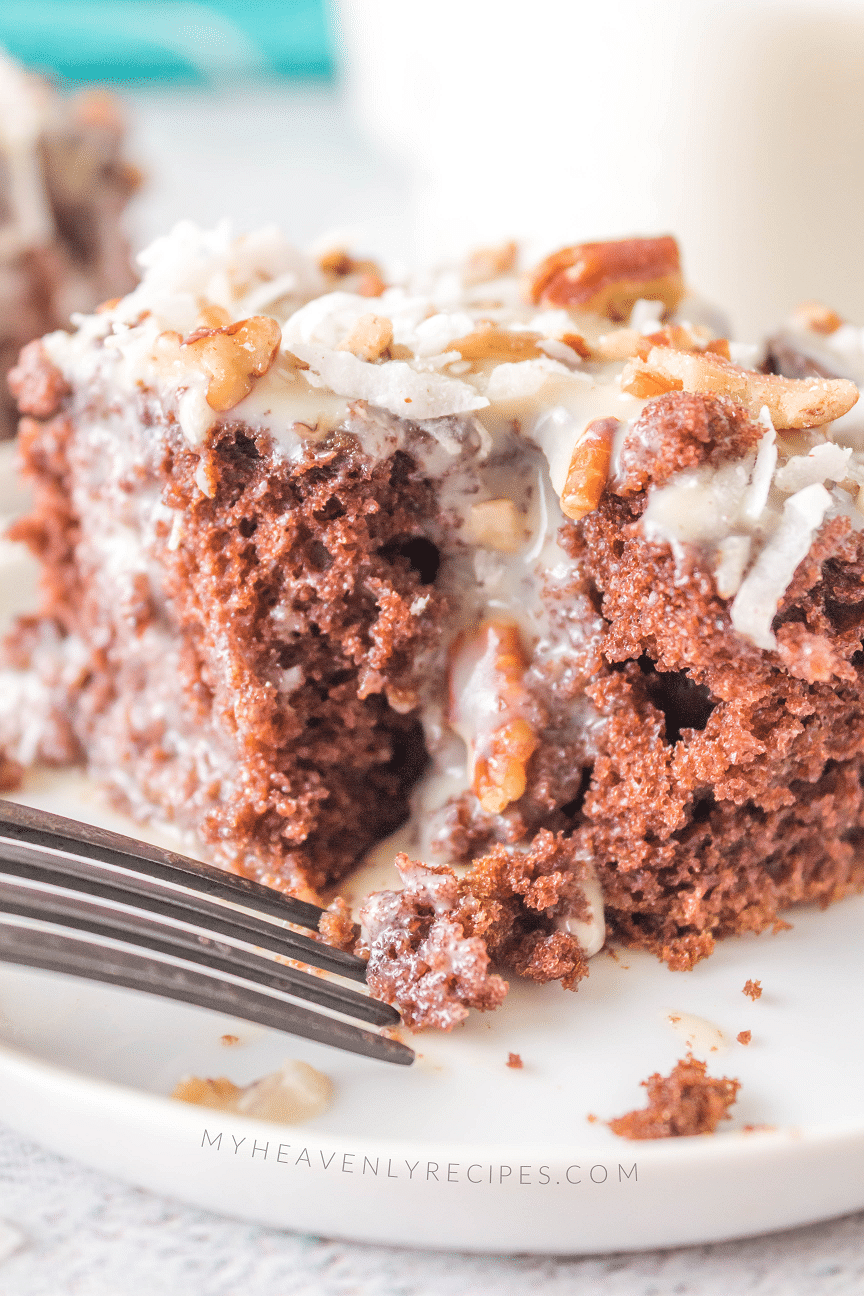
(78, 899)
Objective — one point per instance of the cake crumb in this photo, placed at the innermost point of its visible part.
(688, 1101)
(337, 926)
(744, 1037)
(515, 1061)
(753, 990)
(229, 1040)
(592, 1119)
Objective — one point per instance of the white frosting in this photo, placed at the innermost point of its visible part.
(701, 1036)
(752, 512)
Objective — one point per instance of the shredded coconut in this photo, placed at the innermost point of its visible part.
(757, 600)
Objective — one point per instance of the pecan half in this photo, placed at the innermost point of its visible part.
(609, 278)
(589, 469)
(233, 356)
(791, 402)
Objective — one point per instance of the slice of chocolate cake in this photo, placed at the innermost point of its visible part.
(529, 558)
(63, 186)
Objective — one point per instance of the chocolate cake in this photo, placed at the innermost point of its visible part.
(63, 186)
(533, 559)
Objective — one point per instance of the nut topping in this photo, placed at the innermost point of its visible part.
(493, 343)
(609, 278)
(816, 317)
(489, 263)
(625, 343)
(589, 469)
(212, 317)
(370, 338)
(365, 276)
(791, 402)
(486, 686)
(498, 524)
(233, 356)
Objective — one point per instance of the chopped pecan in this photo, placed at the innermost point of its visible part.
(370, 284)
(625, 343)
(497, 344)
(498, 524)
(577, 343)
(490, 708)
(816, 317)
(233, 356)
(486, 264)
(609, 278)
(212, 316)
(366, 278)
(370, 338)
(791, 402)
(589, 469)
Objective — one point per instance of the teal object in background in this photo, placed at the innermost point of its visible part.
(181, 41)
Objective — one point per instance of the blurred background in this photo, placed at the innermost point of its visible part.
(416, 128)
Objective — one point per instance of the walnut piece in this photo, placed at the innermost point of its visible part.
(370, 338)
(490, 709)
(233, 356)
(497, 344)
(589, 469)
(609, 278)
(791, 402)
(816, 317)
(498, 524)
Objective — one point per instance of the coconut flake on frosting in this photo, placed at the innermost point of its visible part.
(757, 600)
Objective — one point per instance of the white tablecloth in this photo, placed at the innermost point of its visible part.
(83, 1234)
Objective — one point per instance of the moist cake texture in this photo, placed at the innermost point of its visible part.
(534, 559)
(63, 186)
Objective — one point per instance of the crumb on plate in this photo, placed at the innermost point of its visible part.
(688, 1101)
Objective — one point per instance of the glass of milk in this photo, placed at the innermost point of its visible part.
(737, 125)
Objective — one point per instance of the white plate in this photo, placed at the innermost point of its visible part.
(460, 1151)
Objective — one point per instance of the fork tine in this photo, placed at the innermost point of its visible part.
(59, 902)
(35, 859)
(58, 951)
(39, 827)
